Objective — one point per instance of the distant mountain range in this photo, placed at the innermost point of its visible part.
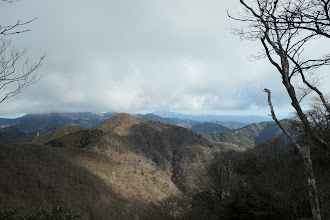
(27, 126)
(44, 122)
(190, 123)
(239, 133)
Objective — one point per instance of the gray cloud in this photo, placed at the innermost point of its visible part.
(135, 55)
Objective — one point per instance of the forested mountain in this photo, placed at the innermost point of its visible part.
(130, 167)
(55, 133)
(125, 167)
(9, 132)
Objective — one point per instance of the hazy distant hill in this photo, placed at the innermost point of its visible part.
(186, 123)
(11, 133)
(251, 135)
(127, 168)
(26, 127)
(209, 117)
(230, 124)
(208, 127)
(201, 126)
(45, 122)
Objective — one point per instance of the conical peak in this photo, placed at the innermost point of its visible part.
(118, 123)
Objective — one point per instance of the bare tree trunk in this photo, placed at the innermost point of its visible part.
(312, 188)
(284, 28)
(305, 153)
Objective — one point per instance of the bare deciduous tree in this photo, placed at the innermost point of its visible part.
(284, 28)
(13, 80)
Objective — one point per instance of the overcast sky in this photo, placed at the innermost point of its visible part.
(140, 55)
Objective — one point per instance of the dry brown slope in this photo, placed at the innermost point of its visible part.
(38, 176)
(176, 154)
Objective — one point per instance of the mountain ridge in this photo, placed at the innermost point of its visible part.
(248, 136)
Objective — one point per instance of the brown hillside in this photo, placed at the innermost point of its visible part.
(76, 139)
(38, 176)
(178, 154)
(129, 165)
(119, 123)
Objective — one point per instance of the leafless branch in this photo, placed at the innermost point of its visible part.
(292, 139)
(13, 81)
(10, 29)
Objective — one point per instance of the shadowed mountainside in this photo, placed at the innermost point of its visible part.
(8, 132)
(35, 176)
